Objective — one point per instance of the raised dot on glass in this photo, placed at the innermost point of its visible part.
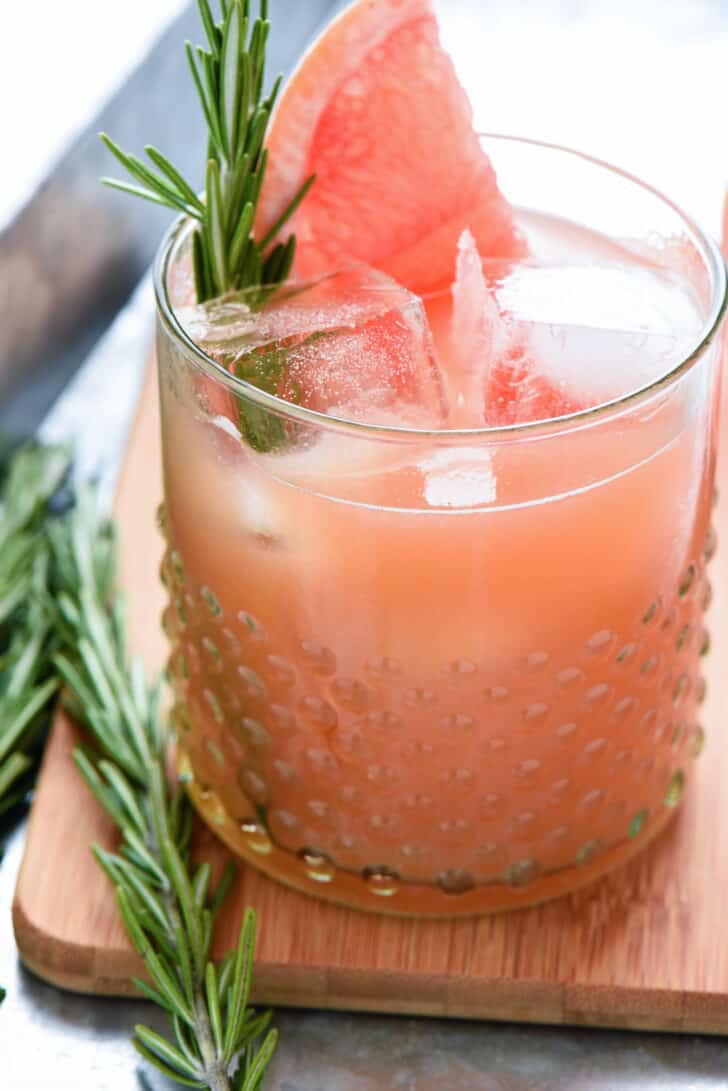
(320, 659)
(669, 620)
(535, 660)
(680, 689)
(560, 786)
(456, 881)
(317, 866)
(496, 693)
(321, 760)
(626, 653)
(698, 742)
(650, 613)
(592, 799)
(253, 785)
(378, 774)
(461, 667)
(624, 707)
(675, 788)
(527, 768)
(597, 694)
(707, 596)
(350, 692)
(211, 649)
(168, 623)
(600, 641)
(569, 676)
(459, 721)
(179, 607)
(286, 819)
(413, 852)
(687, 581)
(213, 704)
(521, 873)
(637, 823)
(648, 719)
(465, 778)
(254, 733)
(588, 851)
(214, 751)
(178, 569)
(318, 712)
(454, 825)
(283, 771)
(420, 696)
(210, 600)
(381, 881)
(252, 682)
(256, 837)
(382, 718)
(418, 801)
(492, 805)
(382, 665)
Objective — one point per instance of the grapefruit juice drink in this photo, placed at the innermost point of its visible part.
(423, 665)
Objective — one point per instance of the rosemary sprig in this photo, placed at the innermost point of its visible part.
(167, 904)
(27, 681)
(229, 76)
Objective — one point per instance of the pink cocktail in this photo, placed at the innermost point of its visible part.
(432, 654)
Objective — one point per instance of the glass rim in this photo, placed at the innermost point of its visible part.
(711, 256)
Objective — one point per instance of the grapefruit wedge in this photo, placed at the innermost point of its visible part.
(376, 112)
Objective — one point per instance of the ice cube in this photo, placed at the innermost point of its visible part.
(582, 334)
(354, 344)
(478, 336)
(600, 294)
(588, 365)
(459, 478)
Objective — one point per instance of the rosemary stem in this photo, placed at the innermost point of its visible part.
(215, 1073)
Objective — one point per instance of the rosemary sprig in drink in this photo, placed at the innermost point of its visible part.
(229, 76)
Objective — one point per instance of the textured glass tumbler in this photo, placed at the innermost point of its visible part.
(434, 709)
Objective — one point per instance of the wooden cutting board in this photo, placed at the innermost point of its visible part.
(645, 948)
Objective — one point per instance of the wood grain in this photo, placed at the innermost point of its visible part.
(645, 948)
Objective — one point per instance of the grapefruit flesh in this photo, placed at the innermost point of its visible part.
(376, 112)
